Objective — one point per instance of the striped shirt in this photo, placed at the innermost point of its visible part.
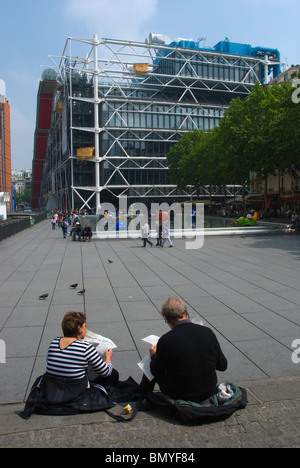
(73, 361)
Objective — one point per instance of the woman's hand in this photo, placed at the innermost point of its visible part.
(108, 355)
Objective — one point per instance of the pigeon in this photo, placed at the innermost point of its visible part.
(81, 292)
(43, 296)
(110, 261)
(73, 286)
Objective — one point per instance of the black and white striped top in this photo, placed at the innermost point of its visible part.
(73, 361)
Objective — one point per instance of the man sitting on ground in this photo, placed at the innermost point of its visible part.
(185, 360)
(76, 232)
(87, 233)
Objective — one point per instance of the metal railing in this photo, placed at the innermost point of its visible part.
(15, 224)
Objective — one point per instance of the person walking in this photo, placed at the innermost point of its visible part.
(145, 230)
(64, 226)
(166, 236)
(53, 222)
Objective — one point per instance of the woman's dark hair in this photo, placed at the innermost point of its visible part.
(71, 322)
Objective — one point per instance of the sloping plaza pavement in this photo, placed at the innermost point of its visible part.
(246, 288)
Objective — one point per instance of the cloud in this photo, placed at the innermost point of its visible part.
(116, 19)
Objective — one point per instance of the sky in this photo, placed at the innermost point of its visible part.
(31, 30)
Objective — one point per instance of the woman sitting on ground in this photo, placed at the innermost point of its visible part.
(70, 356)
(66, 380)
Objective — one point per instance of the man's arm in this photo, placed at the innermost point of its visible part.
(158, 360)
(221, 359)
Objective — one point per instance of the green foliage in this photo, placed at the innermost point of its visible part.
(24, 196)
(260, 134)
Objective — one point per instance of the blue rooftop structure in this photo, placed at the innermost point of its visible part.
(234, 48)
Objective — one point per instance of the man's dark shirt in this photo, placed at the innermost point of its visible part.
(186, 361)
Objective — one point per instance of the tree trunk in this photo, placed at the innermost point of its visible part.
(266, 194)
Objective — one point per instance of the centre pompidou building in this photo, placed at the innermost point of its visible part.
(109, 110)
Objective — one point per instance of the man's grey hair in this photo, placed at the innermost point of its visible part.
(174, 309)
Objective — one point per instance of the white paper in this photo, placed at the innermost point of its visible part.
(144, 365)
(100, 342)
(152, 339)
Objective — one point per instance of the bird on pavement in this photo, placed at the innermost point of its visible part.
(81, 292)
(43, 296)
(73, 286)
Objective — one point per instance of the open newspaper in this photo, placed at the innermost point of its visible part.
(144, 364)
(101, 343)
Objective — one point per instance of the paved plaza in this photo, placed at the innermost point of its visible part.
(246, 288)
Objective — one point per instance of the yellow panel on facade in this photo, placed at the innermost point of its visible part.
(85, 153)
(59, 107)
(140, 68)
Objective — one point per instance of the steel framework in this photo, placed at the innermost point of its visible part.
(121, 105)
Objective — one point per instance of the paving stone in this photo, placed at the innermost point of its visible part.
(246, 289)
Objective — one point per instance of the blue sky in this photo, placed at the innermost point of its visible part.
(33, 29)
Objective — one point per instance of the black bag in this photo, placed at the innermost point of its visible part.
(208, 411)
(124, 392)
(58, 396)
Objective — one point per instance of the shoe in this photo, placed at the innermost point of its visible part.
(171, 246)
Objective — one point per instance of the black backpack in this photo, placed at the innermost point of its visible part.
(209, 411)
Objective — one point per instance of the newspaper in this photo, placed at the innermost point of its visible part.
(152, 339)
(100, 342)
(144, 364)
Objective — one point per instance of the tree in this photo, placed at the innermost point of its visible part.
(233, 138)
(26, 196)
(272, 128)
(212, 165)
(287, 131)
(183, 161)
(260, 134)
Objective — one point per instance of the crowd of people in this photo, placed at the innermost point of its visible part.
(65, 220)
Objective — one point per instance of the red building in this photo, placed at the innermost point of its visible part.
(5, 145)
(47, 89)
